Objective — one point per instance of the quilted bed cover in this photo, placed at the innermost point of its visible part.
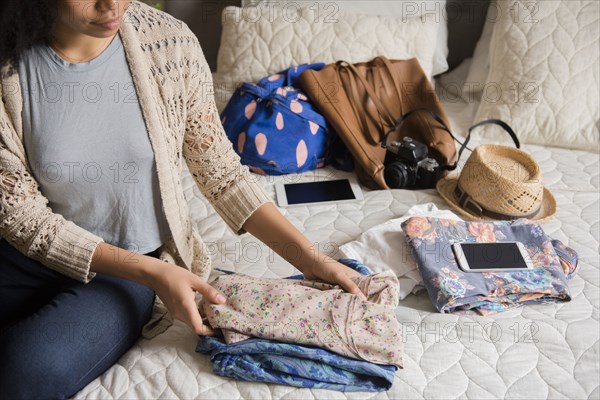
(542, 351)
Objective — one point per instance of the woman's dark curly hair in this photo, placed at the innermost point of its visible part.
(23, 24)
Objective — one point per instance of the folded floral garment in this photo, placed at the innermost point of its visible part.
(453, 291)
(313, 313)
(262, 360)
(301, 366)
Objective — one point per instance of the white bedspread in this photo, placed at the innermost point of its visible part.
(544, 351)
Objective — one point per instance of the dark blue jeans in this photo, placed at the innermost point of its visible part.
(57, 334)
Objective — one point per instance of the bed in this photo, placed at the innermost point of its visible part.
(542, 351)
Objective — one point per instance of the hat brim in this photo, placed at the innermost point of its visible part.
(446, 186)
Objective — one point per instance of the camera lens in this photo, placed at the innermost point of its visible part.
(398, 175)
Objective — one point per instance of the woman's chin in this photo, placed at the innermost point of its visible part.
(103, 30)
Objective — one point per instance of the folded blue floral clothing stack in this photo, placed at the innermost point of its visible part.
(264, 360)
(452, 290)
(271, 361)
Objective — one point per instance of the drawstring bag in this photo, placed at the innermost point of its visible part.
(273, 126)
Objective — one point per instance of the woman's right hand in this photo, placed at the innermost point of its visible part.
(177, 288)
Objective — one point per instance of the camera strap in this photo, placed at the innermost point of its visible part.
(463, 145)
(498, 122)
(436, 117)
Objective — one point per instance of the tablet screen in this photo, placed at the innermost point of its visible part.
(316, 192)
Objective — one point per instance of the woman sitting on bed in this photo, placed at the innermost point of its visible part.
(102, 102)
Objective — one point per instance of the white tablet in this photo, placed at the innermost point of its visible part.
(339, 190)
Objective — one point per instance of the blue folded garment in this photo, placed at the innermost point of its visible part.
(288, 364)
(262, 360)
(452, 290)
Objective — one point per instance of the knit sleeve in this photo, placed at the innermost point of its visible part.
(216, 168)
(29, 225)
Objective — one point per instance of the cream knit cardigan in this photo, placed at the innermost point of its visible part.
(174, 87)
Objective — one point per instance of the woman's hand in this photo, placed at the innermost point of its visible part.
(333, 272)
(177, 287)
(269, 226)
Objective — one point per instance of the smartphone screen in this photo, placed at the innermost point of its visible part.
(316, 192)
(499, 255)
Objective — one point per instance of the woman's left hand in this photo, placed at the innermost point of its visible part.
(269, 226)
(331, 271)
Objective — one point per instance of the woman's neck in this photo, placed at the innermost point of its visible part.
(78, 47)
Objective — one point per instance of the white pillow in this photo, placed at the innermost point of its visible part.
(480, 64)
(544, 73)
(396, 8)
(255, 44)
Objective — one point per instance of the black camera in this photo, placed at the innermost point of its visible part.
(408, 167)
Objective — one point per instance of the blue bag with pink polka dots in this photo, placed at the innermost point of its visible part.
(273, 126)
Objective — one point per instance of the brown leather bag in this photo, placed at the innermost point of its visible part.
(366, 101)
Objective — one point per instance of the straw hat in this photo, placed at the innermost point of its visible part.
(499, 183)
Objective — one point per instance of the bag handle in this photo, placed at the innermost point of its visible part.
(256, 90)
(386, 115)
(272, 99)
(352, 93)
(498, 122)
(380, 107)
(388, 68)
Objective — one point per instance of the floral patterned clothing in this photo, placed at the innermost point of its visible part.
(261, 360)
(313, 313)
(453, 291)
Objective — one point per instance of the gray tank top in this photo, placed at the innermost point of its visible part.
(88, 147)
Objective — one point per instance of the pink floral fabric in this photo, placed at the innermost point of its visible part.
(313, 313)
